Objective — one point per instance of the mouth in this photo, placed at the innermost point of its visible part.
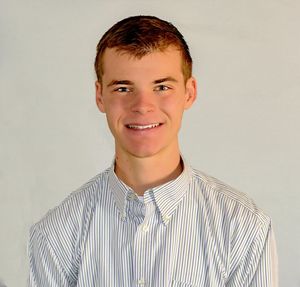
(143, 127)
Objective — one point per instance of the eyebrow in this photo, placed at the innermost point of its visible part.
(121, 82)
(127, 82)
(167, 79)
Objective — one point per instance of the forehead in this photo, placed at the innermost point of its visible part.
(120, 63)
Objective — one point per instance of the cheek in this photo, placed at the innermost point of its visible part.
(173, 104)
(115, 109)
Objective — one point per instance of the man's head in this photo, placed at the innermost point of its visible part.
(141, 35)
(144, 85)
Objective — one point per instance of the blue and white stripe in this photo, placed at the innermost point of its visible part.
(192, 231)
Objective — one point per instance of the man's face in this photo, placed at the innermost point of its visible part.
(144, 100)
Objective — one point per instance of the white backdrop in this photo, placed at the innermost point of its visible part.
(244, 128)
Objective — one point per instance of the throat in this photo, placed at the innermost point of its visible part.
(143, 174)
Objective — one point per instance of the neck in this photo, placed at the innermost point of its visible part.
(144, 173)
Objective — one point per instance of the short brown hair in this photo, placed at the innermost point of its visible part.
(141, 35)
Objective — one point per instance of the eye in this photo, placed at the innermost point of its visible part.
(122, 90)
(161, 88)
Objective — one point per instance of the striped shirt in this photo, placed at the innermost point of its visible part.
(191, 231)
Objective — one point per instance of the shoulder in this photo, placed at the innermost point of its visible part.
(70, 218)
(226, 202)
(57, 239)
(235, 224)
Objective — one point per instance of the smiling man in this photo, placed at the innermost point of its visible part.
(144, 99)
(150, 219)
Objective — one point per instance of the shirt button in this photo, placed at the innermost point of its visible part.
(145, 228)
(166, 218)
(123, 216)
(141, 282)
(131, 196)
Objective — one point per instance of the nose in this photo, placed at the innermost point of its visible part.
(143, 103)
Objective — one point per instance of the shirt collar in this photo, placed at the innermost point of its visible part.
(166, 196)
(119, 190)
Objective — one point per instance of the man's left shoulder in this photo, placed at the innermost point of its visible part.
(226, 201)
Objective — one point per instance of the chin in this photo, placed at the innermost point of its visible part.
(144, 152)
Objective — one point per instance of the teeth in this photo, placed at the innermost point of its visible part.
(138, 127)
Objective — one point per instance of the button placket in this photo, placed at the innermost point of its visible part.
(141, 261)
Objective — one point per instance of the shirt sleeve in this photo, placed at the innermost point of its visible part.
(44, 267)
(259, 267)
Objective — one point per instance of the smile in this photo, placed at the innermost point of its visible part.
(143, 127)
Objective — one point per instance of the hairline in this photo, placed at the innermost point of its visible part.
(126, 51)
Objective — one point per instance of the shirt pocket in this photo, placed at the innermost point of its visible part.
(176, 283)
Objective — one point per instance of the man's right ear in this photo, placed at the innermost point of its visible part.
(99, 97)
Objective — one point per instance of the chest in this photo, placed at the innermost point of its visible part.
(143, 251)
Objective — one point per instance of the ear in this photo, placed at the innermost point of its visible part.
(99, 97)
(190, 92)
